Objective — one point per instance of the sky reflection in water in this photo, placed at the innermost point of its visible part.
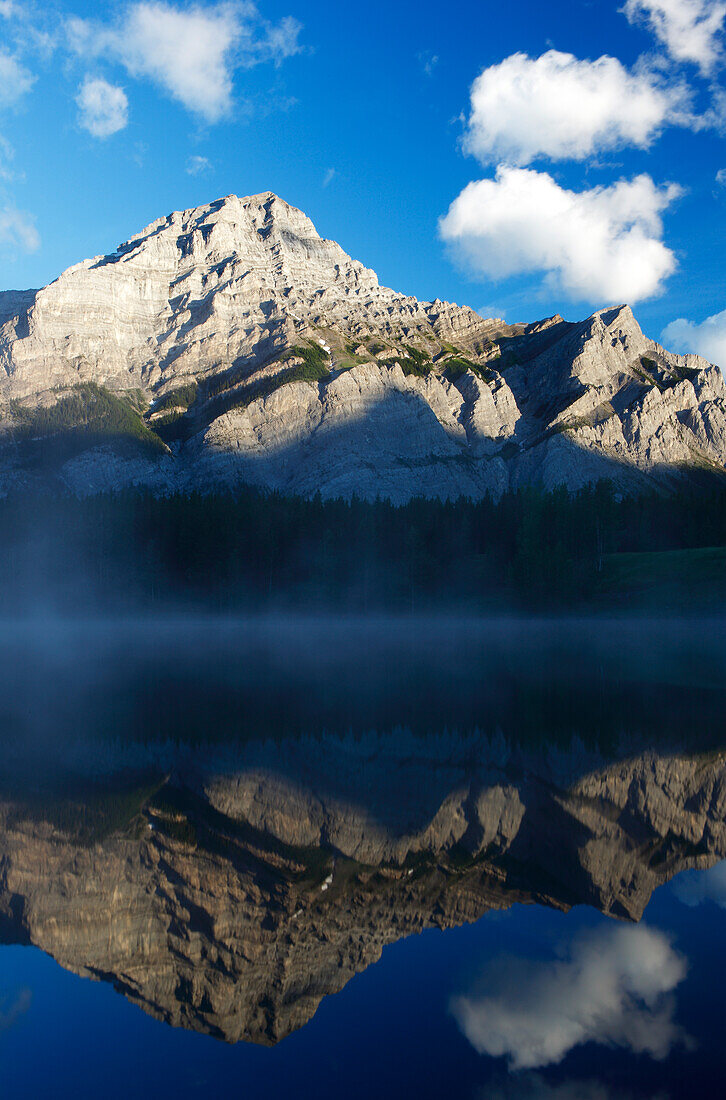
(390, 1031)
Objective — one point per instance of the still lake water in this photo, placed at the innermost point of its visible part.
(391, 858)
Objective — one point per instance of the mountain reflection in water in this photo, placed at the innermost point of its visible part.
(229, 820)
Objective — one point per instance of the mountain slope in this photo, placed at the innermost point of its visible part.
(249, 349)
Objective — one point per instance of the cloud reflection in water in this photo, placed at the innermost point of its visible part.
(613, 987)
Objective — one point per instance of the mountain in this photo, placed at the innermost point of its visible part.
(232, 902)
(230, 343)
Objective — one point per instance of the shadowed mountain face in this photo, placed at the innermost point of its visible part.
(232, 343)
(227, 875)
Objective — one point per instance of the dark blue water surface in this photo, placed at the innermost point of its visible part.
(228, 819)
(390, 1032)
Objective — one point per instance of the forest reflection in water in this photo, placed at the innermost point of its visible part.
(227, 821)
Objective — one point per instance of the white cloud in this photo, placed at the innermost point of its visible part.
(490, 313)
(557, 106)
(613, 989)
(329, 177)
(7, 155)
(599, 245)
(695, 887)
(278, 42)
(428, 61)
(707, 338)
(721, 177)
(103, 108)
(7, 8)
(15, 79)
(192, 52)
(197, 166)
(689, 29)
(17, 230)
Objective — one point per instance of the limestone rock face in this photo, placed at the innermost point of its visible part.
(197, 292)
(232, 299)
(371, 431)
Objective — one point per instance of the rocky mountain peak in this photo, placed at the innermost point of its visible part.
(250, 342)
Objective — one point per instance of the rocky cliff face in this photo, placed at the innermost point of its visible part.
(233, 901)
(261, 353)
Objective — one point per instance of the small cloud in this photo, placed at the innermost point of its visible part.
(15, 79)
(695, 887)
(601, 245)
(492, 313)
(612, 989)
(103, 108)
(690, 30)
(190, 52)
(329, 177)
(428, 61)
(281, 41)
(7, 9)
(560, 107)
(7, 155)
(11, 1013)
(197, 166)
(721, 177)
(17, 230)
(707, 338)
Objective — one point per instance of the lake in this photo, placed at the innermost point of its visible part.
(363, 857)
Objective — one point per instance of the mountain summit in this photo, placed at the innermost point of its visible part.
(231, 343)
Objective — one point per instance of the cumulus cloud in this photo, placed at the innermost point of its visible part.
(103, 108)
(197, 165)
(17, 230)
(15, 79)
(560, 107)
(598, 245)
(690, 30)
(695, 887)
(191, 53)
(707, 339)
(613, 989)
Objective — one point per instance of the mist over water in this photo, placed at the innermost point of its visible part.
(616, 686)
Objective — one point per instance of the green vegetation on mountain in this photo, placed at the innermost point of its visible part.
(85, 416)
(182, 397)
(458, 365)
(313, 368)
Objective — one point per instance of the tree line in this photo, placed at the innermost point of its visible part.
(253, 549)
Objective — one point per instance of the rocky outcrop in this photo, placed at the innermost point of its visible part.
(199, 292)
(234, 900)
(231, 300)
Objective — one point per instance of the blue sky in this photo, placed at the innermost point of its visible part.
(524, 159)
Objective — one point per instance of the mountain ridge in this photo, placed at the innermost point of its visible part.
(258, 352)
